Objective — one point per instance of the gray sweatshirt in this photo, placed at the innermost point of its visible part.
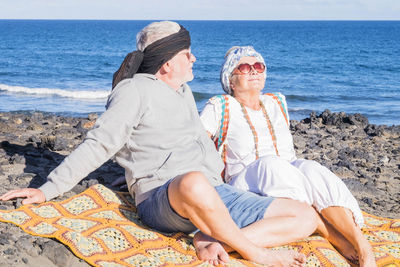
(154, 132)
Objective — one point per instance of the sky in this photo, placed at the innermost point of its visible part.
(201, 9)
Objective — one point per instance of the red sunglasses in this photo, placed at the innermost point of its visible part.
(245, 68)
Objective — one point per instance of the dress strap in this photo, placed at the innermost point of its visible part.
(224, 123)
(220, 138)
(281, 103)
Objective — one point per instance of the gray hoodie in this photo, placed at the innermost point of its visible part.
(154, 132)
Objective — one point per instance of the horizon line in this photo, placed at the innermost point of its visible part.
(87, 19)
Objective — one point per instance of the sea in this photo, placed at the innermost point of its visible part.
(66, 66)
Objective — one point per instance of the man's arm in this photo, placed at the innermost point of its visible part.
(108, 136)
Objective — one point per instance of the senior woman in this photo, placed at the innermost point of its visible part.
(251, 131)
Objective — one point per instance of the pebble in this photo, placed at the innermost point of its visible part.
(9, 251)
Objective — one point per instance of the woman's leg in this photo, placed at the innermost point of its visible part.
(342, 219)
(273, 176)
(338, 206)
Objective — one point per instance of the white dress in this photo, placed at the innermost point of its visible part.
(283, 176)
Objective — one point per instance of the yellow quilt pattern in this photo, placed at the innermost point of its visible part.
(102, 227)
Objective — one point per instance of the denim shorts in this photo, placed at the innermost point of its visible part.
(244, 207)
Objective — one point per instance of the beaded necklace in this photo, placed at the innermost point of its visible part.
(253, 130)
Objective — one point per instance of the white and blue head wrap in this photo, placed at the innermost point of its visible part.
(232, 58)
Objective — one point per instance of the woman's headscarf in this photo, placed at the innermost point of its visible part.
(153, 57)
(232, 59)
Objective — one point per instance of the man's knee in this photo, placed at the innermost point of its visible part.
(192, 187)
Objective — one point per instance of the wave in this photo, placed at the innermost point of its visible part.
(58, 92)
(199, 96)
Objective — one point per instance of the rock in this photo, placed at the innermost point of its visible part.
(9, 251)
(358, 119)
(57, 253)
(383, 160)
(4, 239)
(17, 203)
(54, 143)
(88, 125)
(93, 116)
(89, 183)
(47, 142)
(12, 178)
(77, 189)
(367, 200)
(373, 130)
(18, 121)
(84, 125)
(24, 244)
(17, 159)
(60, 144)
(302, 128)
(34, 139)
(37, 117)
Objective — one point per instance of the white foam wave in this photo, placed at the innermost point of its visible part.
(59, 92)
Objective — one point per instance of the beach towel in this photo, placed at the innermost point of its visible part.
(102, 227)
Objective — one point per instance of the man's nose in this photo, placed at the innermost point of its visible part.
(192, 58)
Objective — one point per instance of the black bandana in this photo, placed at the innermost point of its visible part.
(153, 57)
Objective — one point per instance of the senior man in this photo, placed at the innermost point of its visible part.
(152, 126)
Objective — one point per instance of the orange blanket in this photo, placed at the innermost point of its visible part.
(101, 226)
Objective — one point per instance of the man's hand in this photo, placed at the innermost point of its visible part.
(31, 195)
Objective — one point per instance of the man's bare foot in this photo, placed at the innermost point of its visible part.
(280, 258)
(366, 256)
(209, 249)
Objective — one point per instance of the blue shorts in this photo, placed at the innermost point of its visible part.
(244, 207)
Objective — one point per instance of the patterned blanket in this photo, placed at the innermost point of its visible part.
(102, 227)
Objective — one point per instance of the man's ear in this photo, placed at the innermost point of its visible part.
(165, 68)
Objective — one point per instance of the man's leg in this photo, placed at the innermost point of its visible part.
(284, 221)
(272, 230)
(192, 196)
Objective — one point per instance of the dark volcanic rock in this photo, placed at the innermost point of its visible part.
(54, 143)
(365, 156)
(374, 130)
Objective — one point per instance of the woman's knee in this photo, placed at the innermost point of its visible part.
(306, 165)
(276, 165)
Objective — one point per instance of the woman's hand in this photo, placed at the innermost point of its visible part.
(31, 195)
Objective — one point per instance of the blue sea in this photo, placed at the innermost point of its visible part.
(66, 67)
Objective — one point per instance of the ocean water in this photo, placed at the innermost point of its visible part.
(66, 67)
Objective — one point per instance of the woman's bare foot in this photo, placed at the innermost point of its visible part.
(326, 230)
(209, 249)
(344, 247)
(366, 255)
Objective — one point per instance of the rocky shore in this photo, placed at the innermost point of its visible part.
(365, 156)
